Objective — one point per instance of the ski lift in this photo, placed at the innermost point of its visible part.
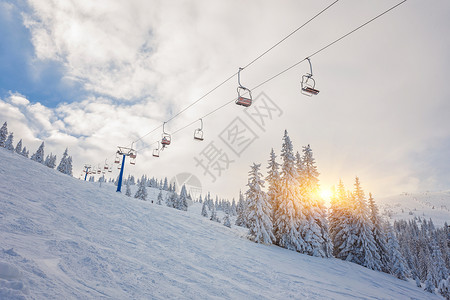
(156, 151)
(133, 155)
(198, 133)
(166, 139)
(308, 83)
(241, 89)
(106, 167)
(117, 159)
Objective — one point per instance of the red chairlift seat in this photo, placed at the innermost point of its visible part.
(310, 90)
(166, 140)
(308, 83)
(244, 101)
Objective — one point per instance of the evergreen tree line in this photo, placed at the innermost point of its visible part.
(210, 208)
(173, 200)
(426, 250)
(290, 213)
(6, 141)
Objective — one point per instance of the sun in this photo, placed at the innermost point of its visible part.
(325, 194)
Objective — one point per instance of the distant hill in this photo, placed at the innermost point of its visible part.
(434, 205)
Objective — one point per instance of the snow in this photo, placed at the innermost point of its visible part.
(434, 205)
(62, 238)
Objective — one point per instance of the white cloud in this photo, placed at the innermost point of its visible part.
(376, 106)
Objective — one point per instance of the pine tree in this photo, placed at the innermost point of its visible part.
(160, 198)
(340, 223)
(233, 210)
(19, 147)
(316, 233)
(444, 288)
(166, 185)
(439, 267)
(9, 142)
(397, 266)
(128, 190)
(259, 209)
(241, 219)
(141, 193)
(273, 180)
(3, 134)
(288, 214)
(226, 221)
(379, 235)
(182, 200)
(50, 161)
(364, 250)
(25, 152)
(39, 155)
(171, 200)
(65, 165)
(429, 285)
(204, 210)
(214, 215)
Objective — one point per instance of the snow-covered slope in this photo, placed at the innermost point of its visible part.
(434, 205)
(62, 238)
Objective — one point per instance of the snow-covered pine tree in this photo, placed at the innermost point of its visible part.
(3, 134)
(141, 193)
(241, 219)
(397, 265)
(50, 161)
(25, 152)
(288, 214)
(316, 233)
(182, 200)
(379, 235)
(273, 180)
(62, 164)
(128, 189)
(19, 147)
(166, 184)
(429, 284)
(226, 221)
(258, 208)
(160, 198)
(440, 270)
(364, 251)
(204, 210)
(214, 214)
(9, 142)
(444, 288)
(39, 155)
(171, 200)
(233, 210)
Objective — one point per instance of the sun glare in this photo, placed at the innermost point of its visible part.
(326, 194)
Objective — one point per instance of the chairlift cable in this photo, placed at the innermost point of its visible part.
(274, 76)
(250, 63)
(290, 34)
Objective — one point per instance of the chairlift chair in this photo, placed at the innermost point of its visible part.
(308, 83)
(117, 159)
(166, 139)
(133, 155)
(156, 151)
(241, 100)
(198, 133)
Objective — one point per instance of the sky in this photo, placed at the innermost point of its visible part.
(92, 76)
